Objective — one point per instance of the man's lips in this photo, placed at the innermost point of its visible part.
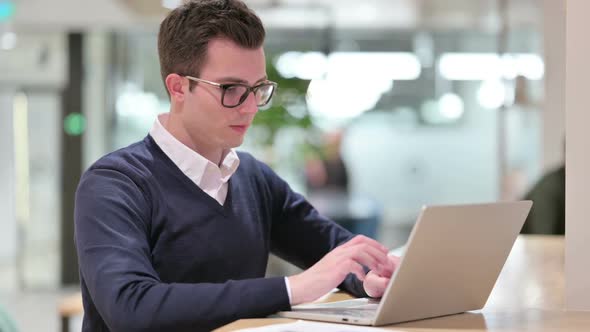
(240, 128)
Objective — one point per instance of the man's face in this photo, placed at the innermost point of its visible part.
(207, 121)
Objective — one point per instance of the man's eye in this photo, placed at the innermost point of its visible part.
(235, 90)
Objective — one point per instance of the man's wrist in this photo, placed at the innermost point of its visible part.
(288, 286)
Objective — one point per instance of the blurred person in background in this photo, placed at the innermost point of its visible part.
(325, 170)
(327, 180)
(173, 232)
(547, 215)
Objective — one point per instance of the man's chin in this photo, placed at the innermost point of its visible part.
(234, 143)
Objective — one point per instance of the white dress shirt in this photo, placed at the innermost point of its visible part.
(212, 179)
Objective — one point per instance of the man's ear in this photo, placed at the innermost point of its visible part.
(174, 84)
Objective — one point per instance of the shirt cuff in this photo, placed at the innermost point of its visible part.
(288, 289)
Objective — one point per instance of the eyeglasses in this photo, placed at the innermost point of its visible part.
(234, 94)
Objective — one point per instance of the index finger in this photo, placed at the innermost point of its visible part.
(367, 240)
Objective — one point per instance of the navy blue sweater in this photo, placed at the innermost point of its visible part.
(157, 253)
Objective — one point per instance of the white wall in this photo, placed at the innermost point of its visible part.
(37, 66)
(39, 59)
(554, 105)
(577, 271)
(403, 165)
(7, 213)
(95, 108)
(41, 240)
(72, 14)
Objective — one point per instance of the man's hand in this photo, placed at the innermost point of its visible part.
(333, 268)
(376, 283)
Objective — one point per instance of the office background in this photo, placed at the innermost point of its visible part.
(437, 102)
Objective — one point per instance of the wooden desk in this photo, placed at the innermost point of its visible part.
(529, 296)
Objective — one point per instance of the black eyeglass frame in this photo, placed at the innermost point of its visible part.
(249, 89)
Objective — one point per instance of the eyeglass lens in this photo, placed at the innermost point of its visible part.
(237, 94)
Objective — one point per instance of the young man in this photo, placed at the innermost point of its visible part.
(173, 232)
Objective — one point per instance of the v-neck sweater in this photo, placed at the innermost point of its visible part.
(157, 253)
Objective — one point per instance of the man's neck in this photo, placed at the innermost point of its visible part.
(174, 126)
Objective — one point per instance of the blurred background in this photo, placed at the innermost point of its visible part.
(383, 106)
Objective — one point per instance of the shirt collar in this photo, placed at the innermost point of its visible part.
(192, 164)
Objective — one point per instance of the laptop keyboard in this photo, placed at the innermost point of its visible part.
(359, 313)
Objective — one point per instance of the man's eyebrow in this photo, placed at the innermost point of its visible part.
(239, 80)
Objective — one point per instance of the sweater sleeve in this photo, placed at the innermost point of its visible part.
(302, 236)
(112, 225)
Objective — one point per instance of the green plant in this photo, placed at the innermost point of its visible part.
(288, 108)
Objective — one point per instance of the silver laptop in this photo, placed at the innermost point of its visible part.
(453, 258)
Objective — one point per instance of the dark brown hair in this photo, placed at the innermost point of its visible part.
(186, 31)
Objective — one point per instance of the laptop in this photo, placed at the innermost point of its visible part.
(453, 258)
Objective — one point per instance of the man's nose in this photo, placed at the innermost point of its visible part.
(250, 105)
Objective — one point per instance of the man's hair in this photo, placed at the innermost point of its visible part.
(186, 31)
